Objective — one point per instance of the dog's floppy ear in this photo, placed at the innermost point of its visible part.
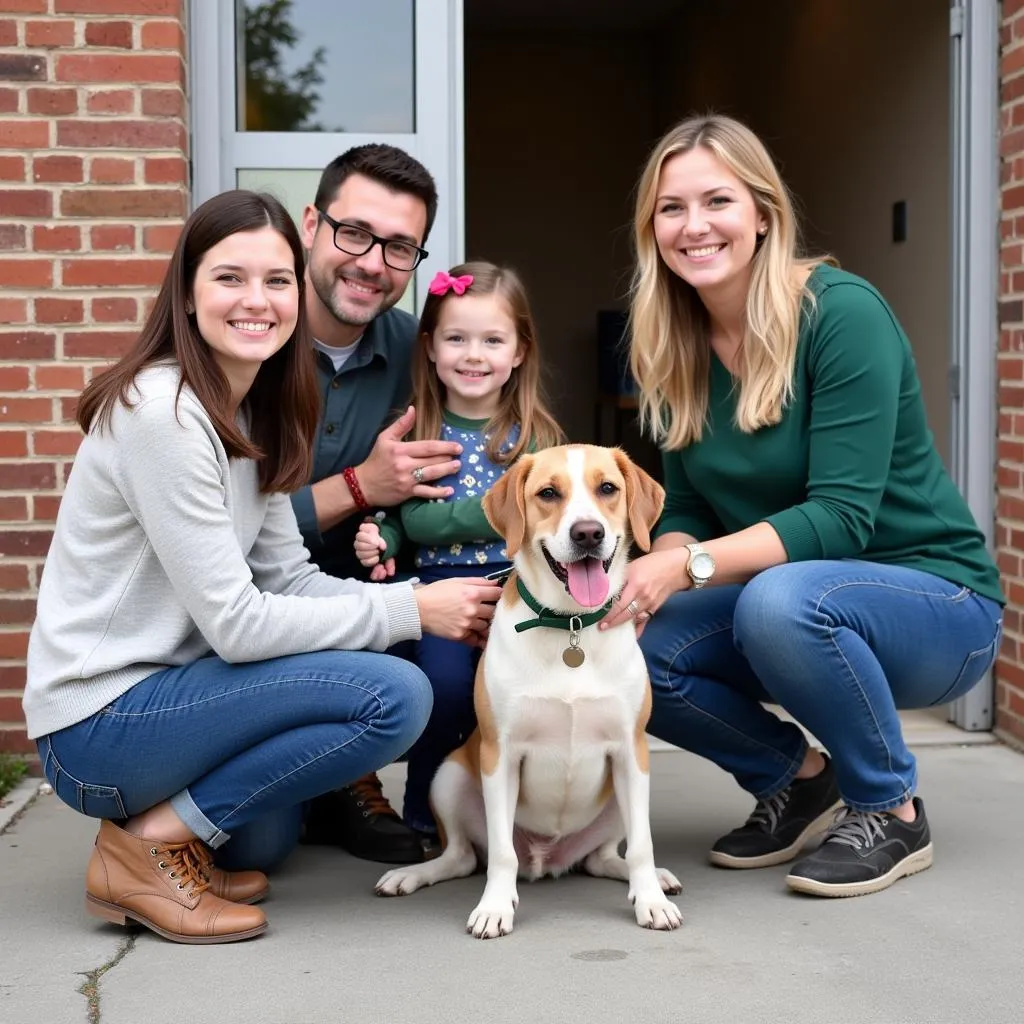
(505, 505)
(645, 498)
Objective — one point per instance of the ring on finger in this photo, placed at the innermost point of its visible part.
(633, 608)
(643, 616)
(417, 474)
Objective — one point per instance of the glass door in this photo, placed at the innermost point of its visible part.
(281, 87)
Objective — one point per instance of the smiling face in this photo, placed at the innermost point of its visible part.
(474, 349)
(246, 301)
(349, 291)
(706, 223)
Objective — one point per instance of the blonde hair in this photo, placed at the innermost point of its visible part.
(522, 401)
(669, 326)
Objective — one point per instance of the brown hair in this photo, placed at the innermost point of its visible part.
(522, 400)
(283, 402)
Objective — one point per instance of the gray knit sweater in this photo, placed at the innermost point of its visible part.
(165, 551)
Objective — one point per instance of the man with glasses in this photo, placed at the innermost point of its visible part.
(364, 235)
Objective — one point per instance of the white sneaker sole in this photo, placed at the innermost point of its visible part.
(815, 828)
(919, 860)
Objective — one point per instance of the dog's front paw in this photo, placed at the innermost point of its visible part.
(399, 882)
(492, 918)
(657, 913)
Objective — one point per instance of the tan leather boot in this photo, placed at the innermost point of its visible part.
(236, 886)
(163, 887)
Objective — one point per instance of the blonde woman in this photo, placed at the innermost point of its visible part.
(813, 553)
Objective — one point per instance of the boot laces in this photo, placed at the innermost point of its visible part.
(369, 794)
(188, 863)
(856, 828)
(768, 812)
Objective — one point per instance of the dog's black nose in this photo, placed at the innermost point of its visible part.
(586, 534)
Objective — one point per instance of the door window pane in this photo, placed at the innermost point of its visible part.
(325, 65)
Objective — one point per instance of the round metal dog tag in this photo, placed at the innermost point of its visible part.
(573, 657)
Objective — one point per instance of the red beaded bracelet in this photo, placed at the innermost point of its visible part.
(353, 485)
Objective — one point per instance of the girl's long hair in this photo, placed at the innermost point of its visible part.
(669, 326)
(522, 401)
(283, 403)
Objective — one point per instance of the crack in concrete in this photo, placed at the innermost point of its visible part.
(90, 988)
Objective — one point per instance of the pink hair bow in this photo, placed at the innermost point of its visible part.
(443, 281)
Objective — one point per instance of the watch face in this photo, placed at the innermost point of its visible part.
(702, 565)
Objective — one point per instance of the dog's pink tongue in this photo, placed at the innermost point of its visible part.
(588, 582)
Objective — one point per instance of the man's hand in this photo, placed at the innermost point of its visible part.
(386, 476)
(458, 609)
(368, 545)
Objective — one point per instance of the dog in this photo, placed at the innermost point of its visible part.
(556, 773)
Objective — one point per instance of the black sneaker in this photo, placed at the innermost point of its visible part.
(359, 819)
(864, 851)
(781, 825)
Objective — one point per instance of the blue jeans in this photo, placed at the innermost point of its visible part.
(238, 748)
(451, 668)
(841, 645)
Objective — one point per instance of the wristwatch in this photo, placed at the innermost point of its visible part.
(701, 566)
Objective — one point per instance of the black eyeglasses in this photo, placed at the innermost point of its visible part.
(357, 241)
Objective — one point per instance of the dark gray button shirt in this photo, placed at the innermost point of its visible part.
(368, 392)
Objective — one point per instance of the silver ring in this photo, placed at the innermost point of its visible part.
(417, 474)
(643, 616)
(633, 608)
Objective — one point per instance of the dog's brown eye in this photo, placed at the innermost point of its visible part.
(607, 489)
(547, 494)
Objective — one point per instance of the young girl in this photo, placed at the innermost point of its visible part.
(192, 678)
(476, 380)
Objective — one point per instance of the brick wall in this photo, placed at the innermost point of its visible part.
(1010, 470)
(93, 189)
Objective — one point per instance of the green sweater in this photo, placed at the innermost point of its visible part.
(851, 470)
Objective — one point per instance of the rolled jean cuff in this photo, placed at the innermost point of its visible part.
(882, 805)
(185, 807)
(786, 779)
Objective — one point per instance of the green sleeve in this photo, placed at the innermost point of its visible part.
(855, 364)
(391, 531)
(436, 523)
(686, 511)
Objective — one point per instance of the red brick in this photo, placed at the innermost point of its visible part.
(161, 237)
(60, 378)
(68, 407)
(26, 410)
(12, 237)
(14, 645)
(13, 311)
(13, 445)
(111, 101)
(9, 101)
(111, 34)
(118, 67)
(14, 378)
(56, 442)
(26, 273)
(59, 311)
(162, 35)
(27, 476)
(57, 168)
(24, 134)
(15, 740)
(64, 238)
(13, 577)
(97, 344)
(119, 134)
(25, 6)
(22, 67)
(13, 509)
(46, 506)
(17, 611)
(26, 203)
(163, 102)
(114, 310)
(153, 8)
(165, 170)
(27, 344)
(89, 273)
(112, 171)
(49, 33)
(122, 203)
(52, 102)
(109, 237)
(12, 168)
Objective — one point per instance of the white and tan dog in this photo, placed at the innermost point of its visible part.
(557, 772)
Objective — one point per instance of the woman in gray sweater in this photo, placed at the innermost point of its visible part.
(192, 678)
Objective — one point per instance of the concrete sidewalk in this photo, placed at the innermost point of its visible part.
(943, 947)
